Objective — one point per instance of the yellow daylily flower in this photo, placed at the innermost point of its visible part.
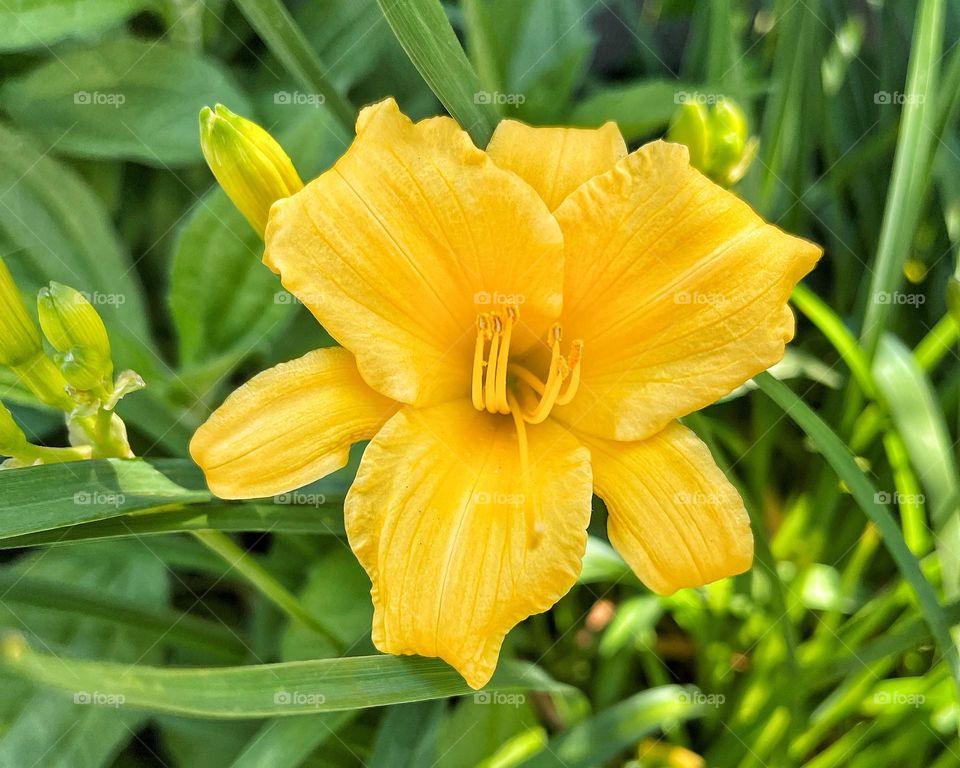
(520, 327)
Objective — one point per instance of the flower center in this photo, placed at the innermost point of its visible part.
(500, 385)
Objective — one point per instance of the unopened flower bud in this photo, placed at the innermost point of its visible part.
(19, 336)
(75, 330)
(689, 126)
(12, 440)
(249, 164)
(717, 137)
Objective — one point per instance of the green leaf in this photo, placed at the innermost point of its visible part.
(286, 41)
(42, 727)
(320, 520)
(639, 109)
(265, 690)
(870, 501)
(350, 36)
(337, 589)
(288, 742)
(423, 30)
(157, 624)
(28, 24)
(56, 495)
(911, 170)
(125, 99)
(222, 297)
(541, 48)
(600, 738)
(601, 563)
(915, 410)
(407, 736)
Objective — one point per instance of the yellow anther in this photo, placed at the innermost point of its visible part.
(573, 382)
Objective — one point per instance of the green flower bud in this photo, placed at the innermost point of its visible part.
(718, 138)
(249, 164)
(689, 126)
(19, 336)
(74, 328)
(83, 368)
(12, 440)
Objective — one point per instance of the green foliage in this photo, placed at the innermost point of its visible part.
(144, 622)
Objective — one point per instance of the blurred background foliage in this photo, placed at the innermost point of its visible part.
(829, 653)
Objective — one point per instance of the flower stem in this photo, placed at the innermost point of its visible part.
(262, 580)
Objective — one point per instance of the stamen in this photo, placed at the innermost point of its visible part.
(573, 383)
(490, 384)
(528, 377)
(503, 359)
(554, 380)
(531, 517)
(476, 390)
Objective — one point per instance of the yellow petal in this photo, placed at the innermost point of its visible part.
(442, 521)
(673, 514)
(677, 288)
(404, 241)
(288, 426)
(555, 161)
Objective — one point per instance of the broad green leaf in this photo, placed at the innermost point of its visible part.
(56, 495)
(125, 99)
(266, 690)
(322, 520)
(470, 735)
(164, 626)
(601, 563)
(288, 742)
(531, 54)
(407, 736)
(190, 742)
(338, 590)
(639, 109)
(425, 33)
(41, 727)
(616, 729)
(286, 41)
(28, 24)
(349, 36)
